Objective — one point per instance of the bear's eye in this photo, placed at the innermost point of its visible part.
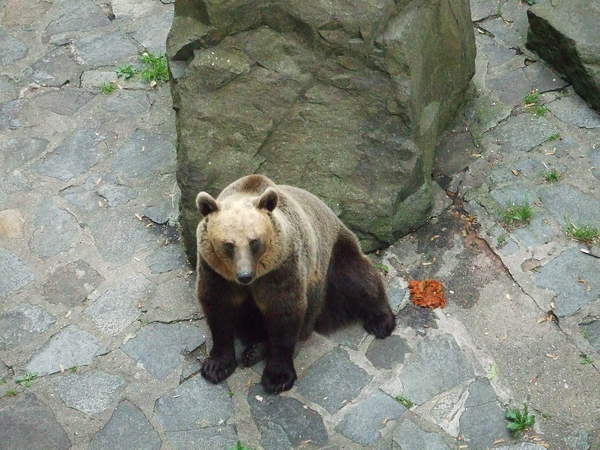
(255, 245)
(228, 249)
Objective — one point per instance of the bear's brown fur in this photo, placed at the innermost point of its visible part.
(274, 264)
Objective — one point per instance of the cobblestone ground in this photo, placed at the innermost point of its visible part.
(97, 299)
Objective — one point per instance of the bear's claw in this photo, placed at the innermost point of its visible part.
(277, 378)
(381, 325)
(216, 369)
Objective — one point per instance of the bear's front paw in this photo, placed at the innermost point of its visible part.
(381, 325)
(216, 368)
(253, 354)
(278, 377)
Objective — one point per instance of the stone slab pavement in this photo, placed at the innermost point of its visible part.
(100, 334)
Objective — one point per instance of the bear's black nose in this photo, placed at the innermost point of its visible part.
(244, 278)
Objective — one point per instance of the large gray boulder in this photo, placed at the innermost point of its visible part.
(566, 34)
(343, 98)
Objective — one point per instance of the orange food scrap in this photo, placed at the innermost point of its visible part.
(427, 293)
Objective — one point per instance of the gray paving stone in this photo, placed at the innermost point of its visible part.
(444, 363)
(594, 156)
(65, 102)
(350, 336)
(285, 422)
(74, 156)
(562, 275)
(118, 235)
(193, 405)
(76, 15)
(127, 429)
(4, 371)
(9, 113)
(159, 156)
(521, 133)
(173, 300)
(8, 89)
(70, 347)
(166, 258)
(55, 231)
(521, 446)
(55, 68)
(11, 49)
(480, 9)
(117, 308)
(23, 323)
(190, 368)
(386, 353)
(116, 194)
(162, 211)
(17, 151)
(160, 347)
(125, 103)
(482, 423)
(573, 110)
(591, 331)
(15, 273)
(95, 79)
(515, 193)
(510, 85)
(568, 204)
(364, 420)
(543, 78)
(538, 232)
(71, 283)
(11, 224)
(11, 183)
(151, 31)
(91, 392)
(420, 319)
(105, 49)
(408, 436)
(322, 383)
(209, 438)
(28, 424)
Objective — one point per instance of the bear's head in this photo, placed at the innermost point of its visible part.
(236, 235)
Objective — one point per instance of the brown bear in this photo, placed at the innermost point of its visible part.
(274, 264)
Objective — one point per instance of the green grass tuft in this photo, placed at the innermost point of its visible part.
(533, 103)
(11, 393)
(532, 98)
(552, 176)
(384, 268)
(585, 359)
(127, 71)
(155, 68)
(517, 214)
(240, 446)
(583, 233)
(27, 379)
(404, 401)
(518, 420)
(108, 88)
(554, 137)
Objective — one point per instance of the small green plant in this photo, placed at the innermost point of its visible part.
(404, 401)
(127, 71)
(27, 379)
(539, 110)
(517, 214)
(501, 240)
(554, 137)
(240, 446)
(519, 420)
(382, 267)
(11, 393)
(552, 176)
(532, 98)
(531, 2)
(533, 103)
(155, 68)
(73, 369)
(585, 359)
(108, 88)
(2, 381)
(583, 233)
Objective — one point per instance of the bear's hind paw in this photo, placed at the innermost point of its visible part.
(216, 369)
(277, 378)
(381, 325)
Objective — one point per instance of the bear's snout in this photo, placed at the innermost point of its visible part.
(244, 277)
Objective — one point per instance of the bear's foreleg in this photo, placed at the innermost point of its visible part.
(216, 297)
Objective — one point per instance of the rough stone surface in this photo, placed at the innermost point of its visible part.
(285, 422)
(73, 157)
(105, 49)
(28, 424)
(160, 347)
(91, 392)
(23, 323)
(385, 353)
(568, 42)
(571, 109)
(17, 151)
(592, 333)
(71, 284)
(65, 102)
(128, 428)
(8, 90)
(259, 92)
(193, 405)
(115, 309)
(570, 205)
(562, 275)
(482, 423)
(440, 358)
(322, 384)
(15, 273)
(408, 436)
(521, 133)
(76, 15)
(363, 421)
(204, 439)
(166, 259)
(11, 49)
(70, 347)
(56, 68)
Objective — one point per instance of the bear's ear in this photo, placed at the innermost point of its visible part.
(268, 200)
(206, 204)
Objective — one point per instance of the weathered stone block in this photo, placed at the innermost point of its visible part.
(327, 97)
